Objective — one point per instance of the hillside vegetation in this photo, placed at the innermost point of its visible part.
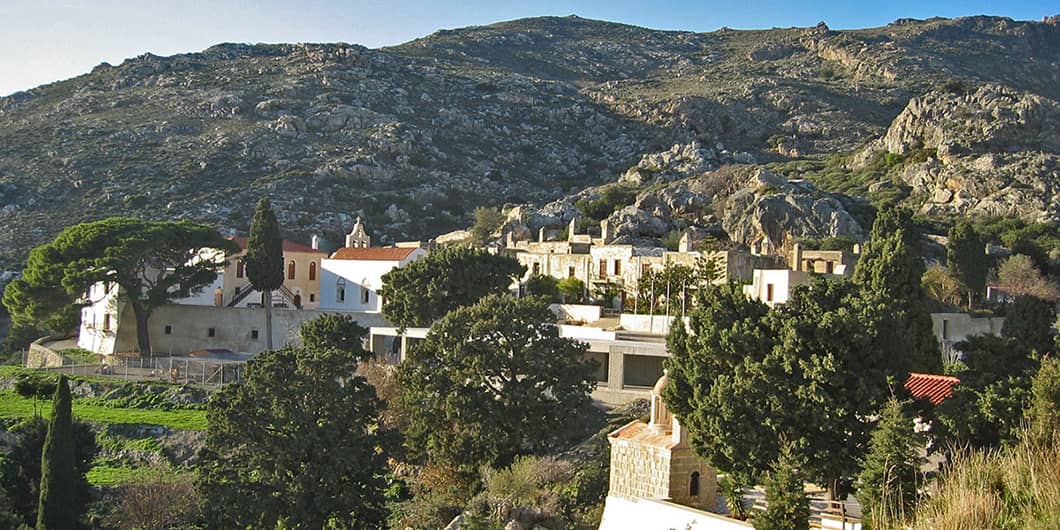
(415, 136)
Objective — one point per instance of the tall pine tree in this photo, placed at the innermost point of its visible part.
(887, 485)
(58, 509)
(889, 273)
(966, 257)
(787, 507)
(264, 259)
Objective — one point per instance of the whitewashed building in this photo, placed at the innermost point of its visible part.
(351, 277)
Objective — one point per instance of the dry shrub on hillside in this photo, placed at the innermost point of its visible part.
(1017, 487)
(156, 499)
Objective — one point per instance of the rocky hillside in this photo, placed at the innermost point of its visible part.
(415, 136)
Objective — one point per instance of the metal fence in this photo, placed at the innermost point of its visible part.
(181, 370)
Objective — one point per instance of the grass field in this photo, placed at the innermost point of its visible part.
(13, 405)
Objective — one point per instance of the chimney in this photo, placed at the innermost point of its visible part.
(509, 239)
(857, 248)
(541, 235)
(572, 228)
(605, 231)
(796, 256)
(315, 242)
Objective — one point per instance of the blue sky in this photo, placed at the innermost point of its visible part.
(50, 40)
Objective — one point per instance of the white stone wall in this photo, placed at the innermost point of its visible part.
(782, 280)
(623, 513)
(100, 320)
(359, 276)
(639, 470)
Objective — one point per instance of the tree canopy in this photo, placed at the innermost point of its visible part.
(298, 441)
(426, 289)
(890, 477)
(63, 491)
(966, 257)
(744, 378)
(152, 262)
(890, 272)
(335, 331)
(493, 381)
(264, 259)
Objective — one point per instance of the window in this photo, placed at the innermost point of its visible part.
(106, 321)
(769, 292)
(829, 267)
(340, 290)
(603, 268)
(365, 293)
(238, 288)
(570, 271)
(618, 267)
(945, 330)
(240, 269)
(211, 332)
(693, 484)
(536, 269)
(254, 334)
(290, 270)
(169, 329)
(312, 297)
(312, 270)
(645, 267)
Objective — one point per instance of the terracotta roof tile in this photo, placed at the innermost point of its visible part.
(934, 388)
(374, 253)
(288, 246)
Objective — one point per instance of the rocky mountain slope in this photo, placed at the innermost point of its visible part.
(415, 136)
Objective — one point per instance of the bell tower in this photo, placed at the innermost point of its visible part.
(358, 238)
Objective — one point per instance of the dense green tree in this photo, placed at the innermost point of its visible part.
(987, 407)
(264, 259)
(546, 286)
(572, 289)
(966, 257)
(890, 474)
(493, 381)
(426, 289)
(717, 387)
(787, 507)
(20, 467)
(487, 220)
(744, 377)
(298, 441)
(335, 331)
(152, 262)
(890, 272)
(1029, 321)
(670, 290)
(1044, 411)
(62, 495)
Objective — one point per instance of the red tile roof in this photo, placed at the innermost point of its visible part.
(288, 246)
(374, 253)
(934, 388)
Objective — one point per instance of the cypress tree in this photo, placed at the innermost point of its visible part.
(966, 257)
(787, 507)
(58, 478)
(887, 485)
(889, 273)
(264, 259)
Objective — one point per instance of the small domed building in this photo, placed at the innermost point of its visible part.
(654, 460)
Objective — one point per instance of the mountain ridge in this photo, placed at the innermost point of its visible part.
(414, 136)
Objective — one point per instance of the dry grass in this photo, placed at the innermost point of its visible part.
(1017, 487)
